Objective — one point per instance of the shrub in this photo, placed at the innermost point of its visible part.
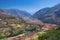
(50, 35)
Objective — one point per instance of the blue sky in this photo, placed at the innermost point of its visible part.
(28, 5)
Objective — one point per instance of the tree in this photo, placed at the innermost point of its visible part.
(50, 35)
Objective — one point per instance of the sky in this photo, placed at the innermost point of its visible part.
(30, 6)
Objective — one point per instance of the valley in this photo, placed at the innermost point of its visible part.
(20, 25)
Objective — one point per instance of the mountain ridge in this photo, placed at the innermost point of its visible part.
(17, 12)
(51, 15)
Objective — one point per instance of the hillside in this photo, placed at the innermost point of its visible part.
(17, 12)
(18, 25)
(11, 26)
(49, 15)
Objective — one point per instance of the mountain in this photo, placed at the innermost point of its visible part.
(4, 14)
(39, 13)
(49, 15)
(16, 28)
(22, 14)
(11, 26)
(17, 12)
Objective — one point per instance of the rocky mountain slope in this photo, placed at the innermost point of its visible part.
(49, 15)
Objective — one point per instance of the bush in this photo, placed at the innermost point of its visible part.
(50, 35)
(4, 39)
(14, 33)
(31, 28)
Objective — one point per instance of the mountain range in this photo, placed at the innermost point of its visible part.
(17, 12)
(46, 15)
(17, 24)
(49, 15)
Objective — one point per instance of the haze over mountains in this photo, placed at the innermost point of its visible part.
(21, 14)
(17, 12)
(49, 15)
(46, 15)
